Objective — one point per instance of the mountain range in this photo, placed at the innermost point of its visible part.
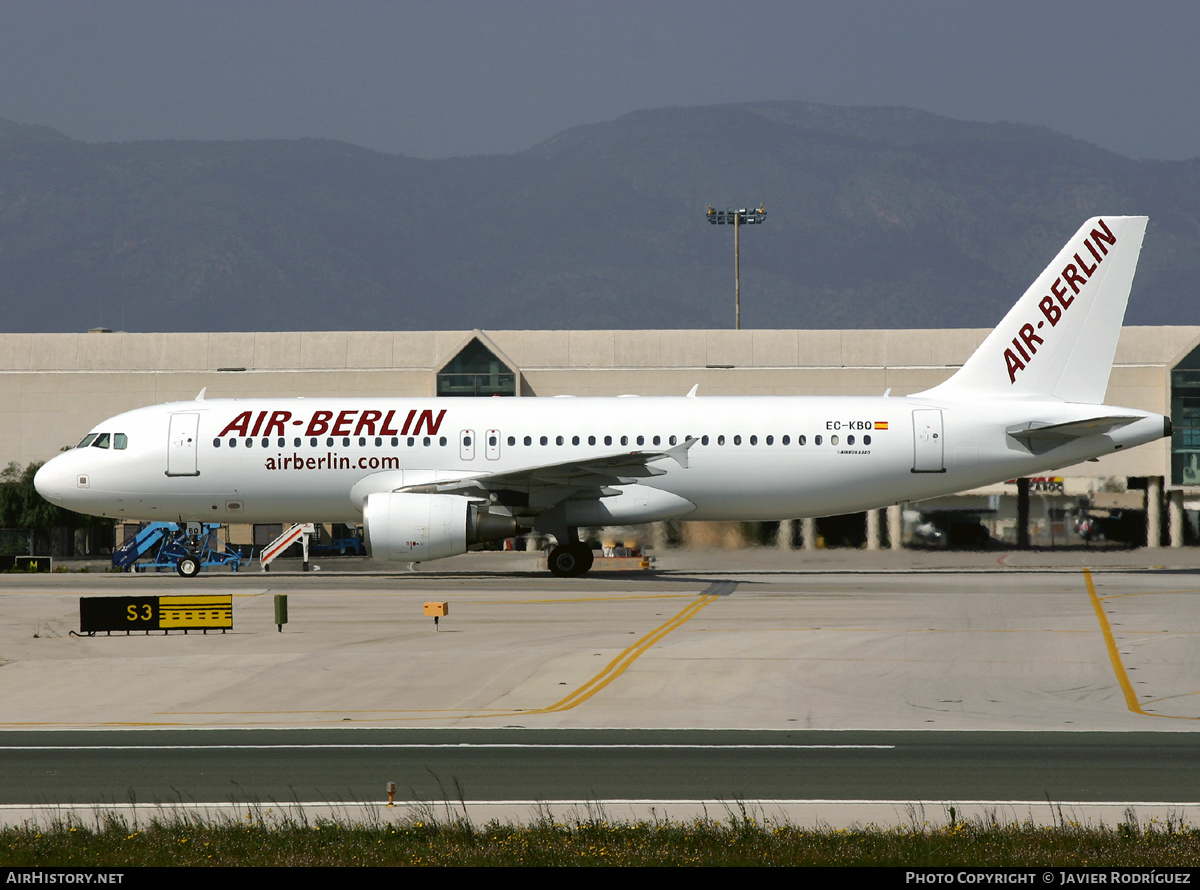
(876, 218)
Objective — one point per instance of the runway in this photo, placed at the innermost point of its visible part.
(980, 684)
(355, 765)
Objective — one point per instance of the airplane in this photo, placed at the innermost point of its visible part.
(429, 478)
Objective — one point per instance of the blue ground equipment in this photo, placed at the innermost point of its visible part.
(163, 544)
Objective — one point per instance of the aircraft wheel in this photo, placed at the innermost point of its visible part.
(570, 560)
(189, 567)
(585, 556)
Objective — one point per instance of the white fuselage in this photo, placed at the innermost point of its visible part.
(756, 458)
(431, 477)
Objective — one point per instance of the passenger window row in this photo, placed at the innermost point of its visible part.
(330, 442)
(427, 441)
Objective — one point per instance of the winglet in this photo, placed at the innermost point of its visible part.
(692, 392)
(200, 395)
(679, 453)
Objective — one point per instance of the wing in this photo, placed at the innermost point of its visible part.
(542, 486)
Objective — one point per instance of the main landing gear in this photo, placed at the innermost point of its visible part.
(571, 559)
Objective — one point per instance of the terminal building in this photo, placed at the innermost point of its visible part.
(57, 386)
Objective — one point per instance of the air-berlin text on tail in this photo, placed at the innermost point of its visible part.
(1062, 295)
(356, 422)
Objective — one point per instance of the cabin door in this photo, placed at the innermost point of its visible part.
(181, 445)
(928, 443)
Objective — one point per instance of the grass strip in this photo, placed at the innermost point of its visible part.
(262, 840)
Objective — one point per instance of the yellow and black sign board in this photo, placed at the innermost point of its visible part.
(109, 613)
(215, 611)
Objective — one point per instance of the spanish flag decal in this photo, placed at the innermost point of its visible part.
(881, 424)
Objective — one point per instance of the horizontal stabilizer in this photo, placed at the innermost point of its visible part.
(1041, 437)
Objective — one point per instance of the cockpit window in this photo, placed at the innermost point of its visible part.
(120, 440)
(87, 440)
(102, 441)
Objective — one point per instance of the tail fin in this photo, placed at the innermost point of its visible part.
(1059, 340)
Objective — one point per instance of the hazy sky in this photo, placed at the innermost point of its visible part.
(456, 78)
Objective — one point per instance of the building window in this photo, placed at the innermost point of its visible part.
(1185, 420)
(476, 371)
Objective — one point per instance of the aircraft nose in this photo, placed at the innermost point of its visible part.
(49, 481)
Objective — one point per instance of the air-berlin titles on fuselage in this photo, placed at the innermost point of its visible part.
(250, 424)
(1075, 275)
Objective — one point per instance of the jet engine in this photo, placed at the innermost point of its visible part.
(419, 527)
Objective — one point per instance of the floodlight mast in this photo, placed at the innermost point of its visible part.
(737, 218)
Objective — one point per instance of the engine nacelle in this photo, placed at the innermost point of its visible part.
(420, 527)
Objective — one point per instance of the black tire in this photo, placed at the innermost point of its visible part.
(571, 560)
(188, 567)
(585, 556)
